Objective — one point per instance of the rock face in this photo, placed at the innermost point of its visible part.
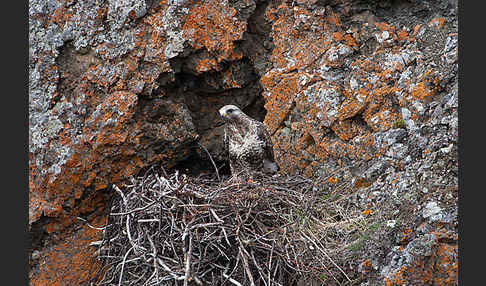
(367, 93)
(362, 92)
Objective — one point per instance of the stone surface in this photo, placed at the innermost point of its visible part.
(371, 89)
(363, 91)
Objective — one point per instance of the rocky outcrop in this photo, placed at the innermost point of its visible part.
(366, 93)
(361, 92)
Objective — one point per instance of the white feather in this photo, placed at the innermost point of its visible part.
(250, 142)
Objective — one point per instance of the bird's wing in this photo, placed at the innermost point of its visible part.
(225, 138)
(265, 137)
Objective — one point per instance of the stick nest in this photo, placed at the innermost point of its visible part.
(180, 230)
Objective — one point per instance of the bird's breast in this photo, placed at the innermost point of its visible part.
(242, 146)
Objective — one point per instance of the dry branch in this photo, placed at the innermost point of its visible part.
(170, 229)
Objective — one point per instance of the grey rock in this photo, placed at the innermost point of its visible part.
(432, 211)
(376, 169)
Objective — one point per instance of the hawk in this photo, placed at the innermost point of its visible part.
(248, 142)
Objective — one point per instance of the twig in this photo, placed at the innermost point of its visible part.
(123, 265)
(212, 161)
(93, 227)
(176, 229)
(232, 280)
(121, 194)
(323, 252)
(135, 210)
(154, 253)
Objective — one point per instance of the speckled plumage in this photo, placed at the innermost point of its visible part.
(249, 144)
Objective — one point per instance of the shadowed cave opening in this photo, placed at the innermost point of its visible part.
(187, 87)
(204, 93)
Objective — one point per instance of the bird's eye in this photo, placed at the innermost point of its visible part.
(230, 110)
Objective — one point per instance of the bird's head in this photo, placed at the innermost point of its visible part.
(230, 112)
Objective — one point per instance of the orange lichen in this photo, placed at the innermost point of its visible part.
(381, 120)
(446, 266)
(397, 278)
(206, 64)
(101, 13)
(151, 37)
(333, 18)
(361, 183)
(402, 35)
(337, 36)
(383, 26)
(366, 266)
(366, 212)
(440, 268)
(60, 16)
(351, 106)
(437, 22)
(71, 262)
(332, 180)
(64, 137)
(350, 41)
(279, 102)
(427, 88)
(347, 129)
(415, 31)
(212, 25)
(77, 173)
(228, 79)
(294, 48)
(372, 100)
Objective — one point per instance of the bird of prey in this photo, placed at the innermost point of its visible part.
(248, 143)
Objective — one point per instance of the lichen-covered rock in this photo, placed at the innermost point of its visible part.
(362, 91)
(367, 94)
(115, 86)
